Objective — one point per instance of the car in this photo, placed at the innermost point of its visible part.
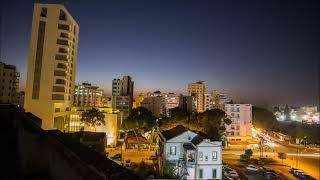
(116, 157)
(232, 173)
(292, 170)
(252, 168)
(266, 170)
(297, 172)
(271, 175)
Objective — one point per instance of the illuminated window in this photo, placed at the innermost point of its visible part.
(173, 150)
(200, 156)
(214, 155)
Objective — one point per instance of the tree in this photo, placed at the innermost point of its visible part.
(282, 156)
(248, 153)
(263, 118)
(93, 117)
(227, 121)
(140, 118)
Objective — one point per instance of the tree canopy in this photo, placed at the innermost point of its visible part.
(262, 118)
(92, 117)
(210, 122)
(140, 118)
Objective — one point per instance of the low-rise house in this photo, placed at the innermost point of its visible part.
(137, 142)
(190, 155)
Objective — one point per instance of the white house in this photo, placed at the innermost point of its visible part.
(190, 155)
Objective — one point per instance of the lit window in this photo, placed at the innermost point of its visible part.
(214, 155)
(172, 150)
(200, 156)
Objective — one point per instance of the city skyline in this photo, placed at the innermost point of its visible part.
(234, 52)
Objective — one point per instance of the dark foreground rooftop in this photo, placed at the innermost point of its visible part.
(33, 153)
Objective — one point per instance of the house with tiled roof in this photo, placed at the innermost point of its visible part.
(186, 154)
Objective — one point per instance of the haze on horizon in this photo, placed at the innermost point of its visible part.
(264, 52)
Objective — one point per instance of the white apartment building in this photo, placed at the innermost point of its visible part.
(155, 104)
(51, 65)
(190, 155)
(241, 116)
(169, 101)
(86, 95)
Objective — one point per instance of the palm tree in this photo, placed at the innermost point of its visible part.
(93, 118)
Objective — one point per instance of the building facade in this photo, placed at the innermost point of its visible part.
(241, 127)
(198, 90)
(122, 95)
(86, 95)
(111, 128)
(171, 101)
(188, 103)
(137, 101)
(190, 155)
(52, 65)
(155, 104)
(219, 100)
(9, 84)
(208, 101)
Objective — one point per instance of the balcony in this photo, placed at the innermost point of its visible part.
(61, 66)
(64, 35)
(64, 27)
(58, 89)
(61, 57)
(60, 81)
(60, 73)
(57, 97)
(63, 42)
(63, 50)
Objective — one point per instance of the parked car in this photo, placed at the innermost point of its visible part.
(297, 172)
(292, 170)
(116, 157)
(272, 175)
(266, 170)
(233, 174)
(252, 168)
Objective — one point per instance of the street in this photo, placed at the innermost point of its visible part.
(304, 158)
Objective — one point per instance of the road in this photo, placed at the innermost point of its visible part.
(304, 158)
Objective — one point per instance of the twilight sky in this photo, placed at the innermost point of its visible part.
(256, 51)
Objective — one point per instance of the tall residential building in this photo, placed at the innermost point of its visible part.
(198, 90)
(87, 95)
(219, 100)
(188, 103)
(171, 101)
(241, 117)
(52, 65)
(9, 81)
(122, 95)
(155, 104)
